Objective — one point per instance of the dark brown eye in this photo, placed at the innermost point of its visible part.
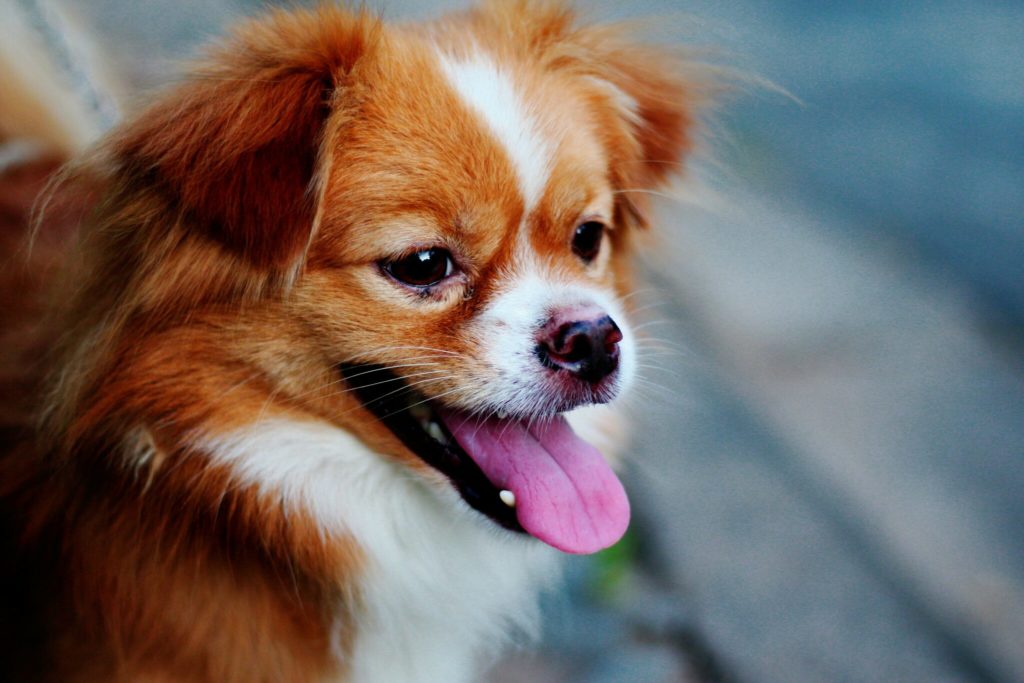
(422, 268)
(586, 242)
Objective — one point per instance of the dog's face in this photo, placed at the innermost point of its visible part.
(454, 212)
(470, 238)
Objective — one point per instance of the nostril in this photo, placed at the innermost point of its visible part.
(586, 348)
(573, 343)
(580, 349)
(613, 335)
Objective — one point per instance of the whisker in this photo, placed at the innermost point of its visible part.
(672, 343)
(432, 398)
(382, 349)
(409, 389)
(306, 399)
(410, 385)
(658, 390)
(647, 191)
(659, 370)
(648, 306)
(341, 380)
(649, 323)
(635, 292)
(383, 368)
(426, 373)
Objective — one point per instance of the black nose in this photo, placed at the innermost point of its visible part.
(589, 349)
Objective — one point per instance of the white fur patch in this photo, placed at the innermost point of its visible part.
(444, 585)
(491, 93)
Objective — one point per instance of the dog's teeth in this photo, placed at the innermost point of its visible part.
(501, 416)
(436, 432)
(508, 498)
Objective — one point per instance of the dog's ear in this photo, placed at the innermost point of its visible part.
(650, 101)
(656, 92)
(237, 146)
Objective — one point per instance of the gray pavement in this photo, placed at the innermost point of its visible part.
(878, 459)
(896, 412)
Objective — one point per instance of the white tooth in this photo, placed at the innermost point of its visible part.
(501, 415)
(508, 498)
(435, 432)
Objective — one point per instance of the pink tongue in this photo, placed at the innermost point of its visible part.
(566, 494)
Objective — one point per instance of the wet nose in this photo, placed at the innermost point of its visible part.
(588, 347)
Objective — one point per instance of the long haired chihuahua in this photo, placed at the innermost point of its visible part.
(330, 363)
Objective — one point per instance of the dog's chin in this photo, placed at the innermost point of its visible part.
(529, 474)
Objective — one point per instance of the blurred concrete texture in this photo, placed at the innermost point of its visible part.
(829, 466)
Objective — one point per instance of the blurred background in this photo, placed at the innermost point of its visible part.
(828, 469)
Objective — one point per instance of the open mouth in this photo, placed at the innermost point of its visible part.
(414, 421)
(535, 477)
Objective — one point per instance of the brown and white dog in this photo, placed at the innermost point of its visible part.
(314, 354)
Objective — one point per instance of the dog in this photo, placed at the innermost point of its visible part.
(330, 354)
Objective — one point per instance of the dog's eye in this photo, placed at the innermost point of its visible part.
(422, 268)
(586, 241)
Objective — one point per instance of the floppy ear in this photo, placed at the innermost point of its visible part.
(650, 99)
(237, 145)
(656, 93)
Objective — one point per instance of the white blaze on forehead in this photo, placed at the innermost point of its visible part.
(491, 93)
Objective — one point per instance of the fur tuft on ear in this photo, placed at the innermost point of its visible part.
(657, 92)
(237, 147)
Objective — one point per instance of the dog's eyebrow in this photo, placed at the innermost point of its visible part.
(600, 206)
(588, 202)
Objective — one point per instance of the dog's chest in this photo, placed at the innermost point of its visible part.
(445, 596)
(442, 586)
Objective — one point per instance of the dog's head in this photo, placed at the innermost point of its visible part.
(441, 218)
